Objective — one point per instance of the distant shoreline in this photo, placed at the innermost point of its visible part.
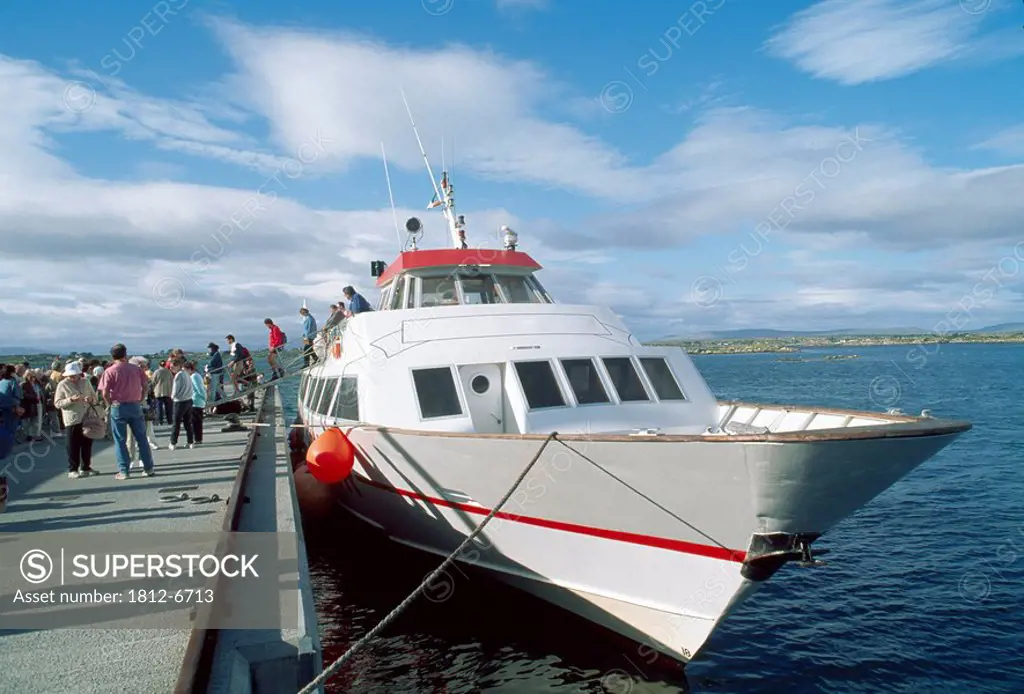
(741, 345)
(777, 345)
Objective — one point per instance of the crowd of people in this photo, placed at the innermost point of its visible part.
(121, 399)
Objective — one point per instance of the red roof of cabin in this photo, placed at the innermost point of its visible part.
(453, 257)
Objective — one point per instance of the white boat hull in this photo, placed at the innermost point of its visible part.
(656, 540)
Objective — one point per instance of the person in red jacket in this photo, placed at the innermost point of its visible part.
(276, 342)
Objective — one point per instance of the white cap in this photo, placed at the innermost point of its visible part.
(98, 371)
(73, 369)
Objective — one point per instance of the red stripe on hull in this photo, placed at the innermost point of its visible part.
(713, 552)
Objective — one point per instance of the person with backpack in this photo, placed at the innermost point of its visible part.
(276, 340)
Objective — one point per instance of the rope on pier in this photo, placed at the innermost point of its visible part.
(372, 634)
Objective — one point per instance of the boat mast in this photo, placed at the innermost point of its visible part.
(391, 197)
(444, 194)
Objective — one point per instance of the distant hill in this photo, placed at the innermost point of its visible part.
(770, 333)
(18, 351)
(1001, 328)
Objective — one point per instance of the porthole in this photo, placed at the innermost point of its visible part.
(480, 384)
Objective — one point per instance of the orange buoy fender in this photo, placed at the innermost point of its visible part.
(336, 348)
(330, 457)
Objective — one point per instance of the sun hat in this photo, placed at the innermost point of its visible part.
(73, 369)
(98, 371)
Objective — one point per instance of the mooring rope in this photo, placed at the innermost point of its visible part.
(358, 645)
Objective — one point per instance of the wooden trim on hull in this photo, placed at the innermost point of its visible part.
(900, 427)
(823, 410)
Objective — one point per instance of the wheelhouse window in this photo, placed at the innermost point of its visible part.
(660, 375)
(384, 302)
(410, 295)
(324, 405)
(436, 393)
(585, 381)
(479, 289)
(398, 294)
(438, 291)
(346, 405)
(539, 288)
(625, 379)
(539, 384)
(517, 289)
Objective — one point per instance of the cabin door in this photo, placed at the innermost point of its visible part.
(484, 395)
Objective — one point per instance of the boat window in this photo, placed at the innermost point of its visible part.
(660, 376)
(398, 295)
(324, 406)
(303, 384)
(410, 298)
(539, 384)
(346, 406)
(318, 394)
(438, 291)
(539, 288)
(385, 297)
(435, 390)
(585, 381)
(479, 289)
(311, 392)
(625, 379)
(516, 289)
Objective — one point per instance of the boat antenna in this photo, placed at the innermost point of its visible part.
(445, 199)
(391, 197)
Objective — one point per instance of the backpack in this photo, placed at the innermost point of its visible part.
(284, 338)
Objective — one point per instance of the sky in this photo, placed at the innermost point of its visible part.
(172, 172)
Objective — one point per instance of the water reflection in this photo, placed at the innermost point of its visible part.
(474, 635)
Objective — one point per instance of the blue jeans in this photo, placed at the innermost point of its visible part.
(122, 417)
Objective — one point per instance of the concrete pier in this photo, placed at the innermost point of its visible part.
(250, 473)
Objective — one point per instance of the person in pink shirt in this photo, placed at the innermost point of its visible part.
(275, 341)
(123, 386)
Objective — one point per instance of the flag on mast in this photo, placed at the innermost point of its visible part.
(434, 202)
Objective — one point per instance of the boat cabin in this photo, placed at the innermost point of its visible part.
(469, 340)
(458, 277)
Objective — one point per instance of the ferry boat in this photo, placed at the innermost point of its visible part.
(655, 512)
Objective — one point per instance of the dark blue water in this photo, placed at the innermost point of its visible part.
(923, 592)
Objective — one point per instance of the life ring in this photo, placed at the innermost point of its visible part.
(336, 348)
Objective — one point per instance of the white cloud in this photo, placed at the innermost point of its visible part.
(1009, 142)
(869, 40)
